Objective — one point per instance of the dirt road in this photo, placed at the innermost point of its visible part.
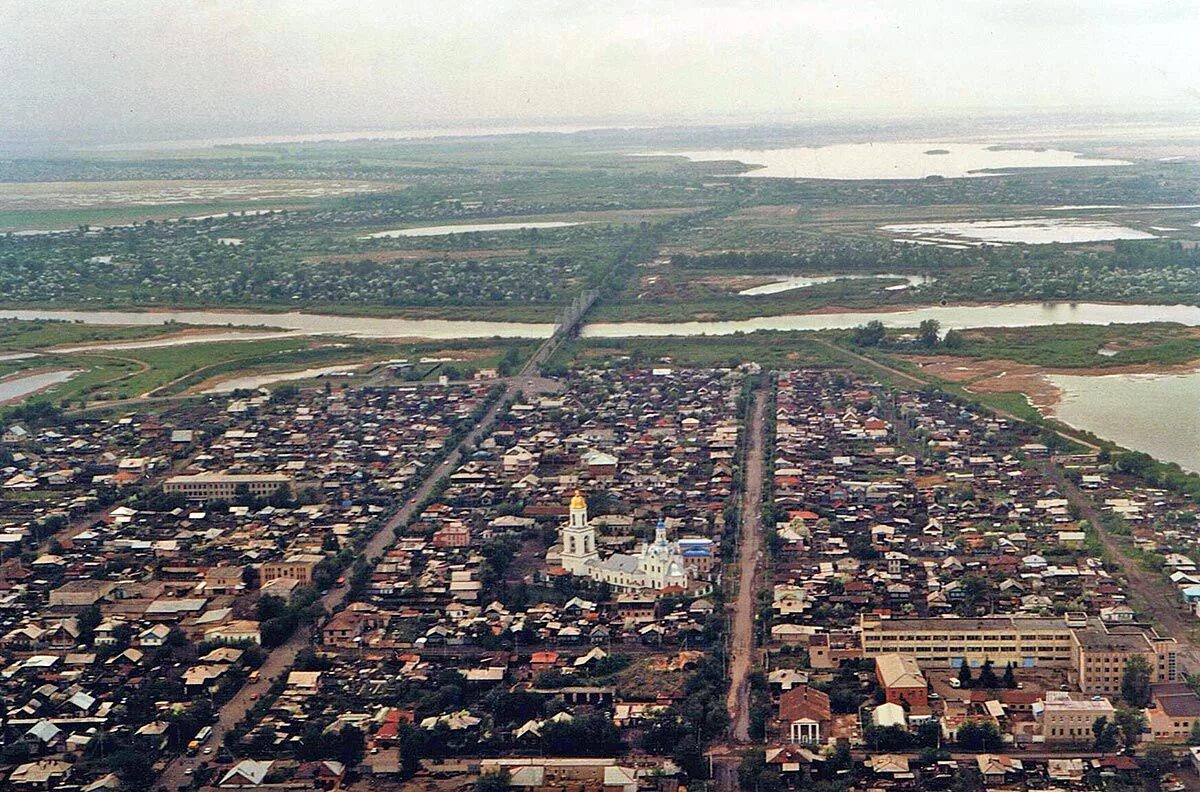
(750, 534)
(1151, 592)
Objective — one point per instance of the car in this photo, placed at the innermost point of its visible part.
(955, 683)
(207, 751)
(189, 770)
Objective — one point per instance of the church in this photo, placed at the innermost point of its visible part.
(658, 565)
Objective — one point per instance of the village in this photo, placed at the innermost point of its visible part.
(220, 594)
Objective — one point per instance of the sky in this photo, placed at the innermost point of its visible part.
(145, 69)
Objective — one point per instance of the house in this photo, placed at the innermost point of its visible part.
(890, 766)
(996, 769)
(806, 715)
(42, 774)
(246, 774)
(15, 434)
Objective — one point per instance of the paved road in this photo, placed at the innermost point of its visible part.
(750, 539)
(281, 659)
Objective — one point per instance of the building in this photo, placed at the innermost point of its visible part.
(805, 715)
(902, 680)
(1173, 712)
(583, 775)
(298, 567)
(1068, 718)
(657, 565)
(225, 486)
(1100, 653)
(947, 642)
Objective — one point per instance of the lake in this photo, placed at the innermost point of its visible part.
(788, 283)
(1028, 231)
(913, 160)
(19, 387)
(445, 230)
(1155, 413)
(950, 316)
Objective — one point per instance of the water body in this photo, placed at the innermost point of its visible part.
(788, 284)
(446, 230)
(957, 316)
(309, 324)
(1155, 413)
(16, 388)
(951, 316)
(259, 380)
(1028, 231)
(893, 160)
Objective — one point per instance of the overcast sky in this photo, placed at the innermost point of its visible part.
(144, 68)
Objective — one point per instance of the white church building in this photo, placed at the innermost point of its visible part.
(657, 565)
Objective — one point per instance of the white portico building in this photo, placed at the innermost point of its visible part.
(657, 565)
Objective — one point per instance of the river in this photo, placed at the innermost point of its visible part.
(950, 316)
(312, 324)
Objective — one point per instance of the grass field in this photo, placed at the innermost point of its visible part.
(1078, 346)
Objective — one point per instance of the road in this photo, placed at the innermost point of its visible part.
(921, 383)
(750, 534)
(283, 657)
(1151, 592)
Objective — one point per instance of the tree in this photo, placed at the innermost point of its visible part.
(1135, 682)
(964, 674)
(1010, 676)
(927, 333)
(1157, 760)
(1105, 734)
(1194, 737)
(979, 736)
(953, 339)
(87, 622)
(868, 335)
(1132, 723)
(497, 781)
(987, 677)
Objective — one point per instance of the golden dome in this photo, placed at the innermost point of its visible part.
(578, 502)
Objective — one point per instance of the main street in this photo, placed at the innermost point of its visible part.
(750, 531)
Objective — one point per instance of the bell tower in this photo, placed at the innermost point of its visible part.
(578, 538)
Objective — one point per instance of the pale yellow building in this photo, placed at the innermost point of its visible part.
(1023, 641)
(212, 486)
(1067, 719)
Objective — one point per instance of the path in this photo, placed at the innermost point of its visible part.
(750, 555)
(920, 382)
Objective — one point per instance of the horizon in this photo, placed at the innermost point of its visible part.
(131, 74)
